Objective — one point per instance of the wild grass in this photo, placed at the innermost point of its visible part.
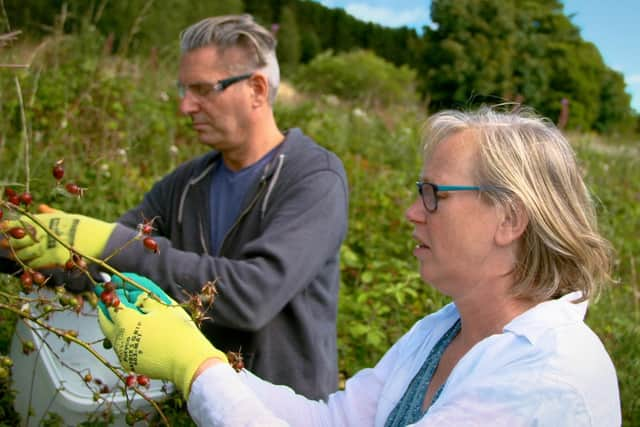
(115, 124)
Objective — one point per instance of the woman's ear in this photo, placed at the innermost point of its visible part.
(513, 224)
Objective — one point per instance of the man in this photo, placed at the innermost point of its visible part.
(262, 216)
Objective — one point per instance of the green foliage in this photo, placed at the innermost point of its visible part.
(289, 44)
(478, 51)
(8, 416)
(359, 75)
(114, 121)
(135, 25)
(100, 110)
(614, 116)
(613, 174)
(309, 46)
(382, 160)
(487, 51)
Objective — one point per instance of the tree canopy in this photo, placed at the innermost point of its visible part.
(477, 51)
(527, 51)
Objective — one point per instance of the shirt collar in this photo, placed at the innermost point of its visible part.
(535, 322)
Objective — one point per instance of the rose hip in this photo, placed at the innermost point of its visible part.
(58, 170)
(26, 199)
(107, 298)
(38, 278)
(109, 287)
(17, 232)
(74, 189)
(27, 279)
(235, 360)
(130, 381)
(150, 244)
(77, 261)
(143, 380)
(146, 228)
(6, 361)
(28, 347)
(27, 282)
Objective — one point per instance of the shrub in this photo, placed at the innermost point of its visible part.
(360, 76)
(114, 121)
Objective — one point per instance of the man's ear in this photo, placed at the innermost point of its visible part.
(259, 89)
(513, 224)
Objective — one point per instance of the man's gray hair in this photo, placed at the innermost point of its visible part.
(239, 31)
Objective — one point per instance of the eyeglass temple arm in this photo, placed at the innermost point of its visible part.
(457, 187)
(223, 84)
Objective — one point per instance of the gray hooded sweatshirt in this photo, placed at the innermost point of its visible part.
(277, 273)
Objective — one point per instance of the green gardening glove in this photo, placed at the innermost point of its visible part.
(143, 330)
(87, 236)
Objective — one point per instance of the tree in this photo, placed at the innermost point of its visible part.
(469, 57)
(488, 51)
(289, 44)
(309, 46)
(614, 111)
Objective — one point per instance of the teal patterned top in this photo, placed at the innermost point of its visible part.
(409, 408)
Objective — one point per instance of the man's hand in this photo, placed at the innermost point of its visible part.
(154, 338)
(87, 236)
(132, 292)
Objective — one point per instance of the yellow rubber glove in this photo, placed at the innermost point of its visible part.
(87, 236)
(156, 339)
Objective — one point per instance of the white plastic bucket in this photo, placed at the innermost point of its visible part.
(51, 378)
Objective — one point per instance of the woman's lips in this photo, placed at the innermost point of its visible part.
(420, 247)
(420, 244)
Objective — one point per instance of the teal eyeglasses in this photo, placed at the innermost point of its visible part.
(429, 192)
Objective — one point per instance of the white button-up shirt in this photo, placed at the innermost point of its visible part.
(547, 368)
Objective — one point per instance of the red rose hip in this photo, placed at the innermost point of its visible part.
(26, 199)
(58, 170)
(150, 244)
(17, 232)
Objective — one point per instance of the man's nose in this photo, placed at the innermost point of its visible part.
(189, 104)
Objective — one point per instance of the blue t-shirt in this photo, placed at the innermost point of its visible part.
(228, 192)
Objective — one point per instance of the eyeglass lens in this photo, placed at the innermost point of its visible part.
(428, 195)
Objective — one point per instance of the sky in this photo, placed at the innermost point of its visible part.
(611, 25)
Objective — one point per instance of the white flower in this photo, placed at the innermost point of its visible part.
(359, 113)
(123, 154)
(104, 169)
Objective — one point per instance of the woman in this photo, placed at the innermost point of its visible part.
(505, 226)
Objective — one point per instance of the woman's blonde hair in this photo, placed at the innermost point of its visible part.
(528, 164)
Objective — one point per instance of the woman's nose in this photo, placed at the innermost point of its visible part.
(416, 212)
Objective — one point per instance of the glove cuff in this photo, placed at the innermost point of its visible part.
(201, 350)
